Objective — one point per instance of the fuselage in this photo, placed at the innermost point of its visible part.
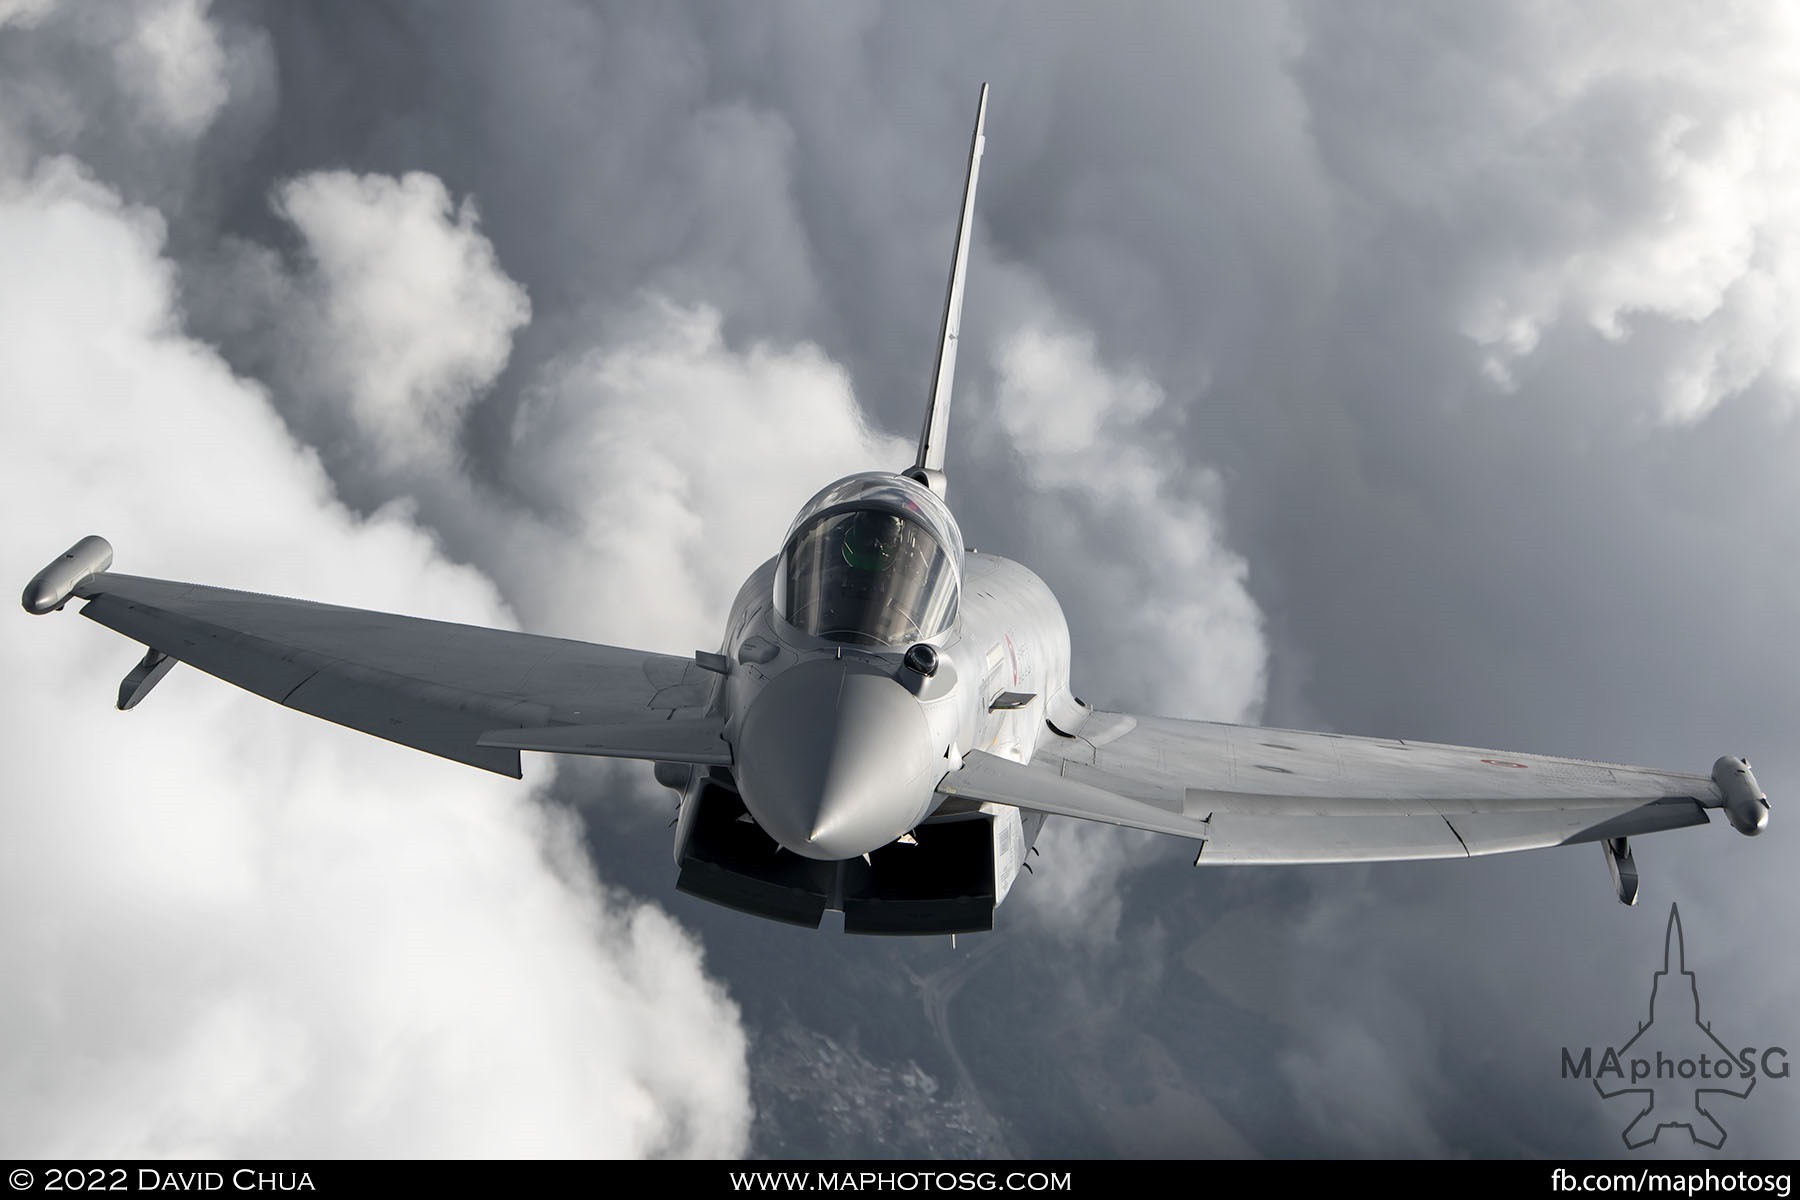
(838, 743)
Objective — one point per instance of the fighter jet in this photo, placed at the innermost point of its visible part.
(888, 720)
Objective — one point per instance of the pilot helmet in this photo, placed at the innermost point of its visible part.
(870, 540)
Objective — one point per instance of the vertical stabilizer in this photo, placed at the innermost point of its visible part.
(928, 468)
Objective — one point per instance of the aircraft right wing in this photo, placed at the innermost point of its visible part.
(462, 692)
(1282, 796)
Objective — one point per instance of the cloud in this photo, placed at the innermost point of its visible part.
(173, 62)
(1595, 173)
(131, 90)
(24, 12)
(1075, 891)
(418, 317)
(240, 932)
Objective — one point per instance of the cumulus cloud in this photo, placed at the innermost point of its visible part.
(130, 89)
(402, 315)
(241, 932)
(173, 62)
(1598, 172)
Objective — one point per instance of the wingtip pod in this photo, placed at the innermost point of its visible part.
(51, 587)
(1746, 804)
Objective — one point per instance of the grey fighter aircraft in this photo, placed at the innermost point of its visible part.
(888, 720)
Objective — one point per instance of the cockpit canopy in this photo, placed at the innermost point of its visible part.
(873, 560)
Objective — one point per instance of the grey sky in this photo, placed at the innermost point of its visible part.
(1449, 368)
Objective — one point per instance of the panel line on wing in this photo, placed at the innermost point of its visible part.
(1459, 837)
(289, 695)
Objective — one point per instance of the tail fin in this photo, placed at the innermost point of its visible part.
(929, 467)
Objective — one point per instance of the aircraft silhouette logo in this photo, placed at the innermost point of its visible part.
(1677, 1053)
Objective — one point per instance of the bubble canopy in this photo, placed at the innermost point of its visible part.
(873, 560)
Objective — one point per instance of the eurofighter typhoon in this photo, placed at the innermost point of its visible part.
(888, 720)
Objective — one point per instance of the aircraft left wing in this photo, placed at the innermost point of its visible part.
(1255, 795)
(432, 685)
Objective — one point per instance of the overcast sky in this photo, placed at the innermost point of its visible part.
(1418, 371)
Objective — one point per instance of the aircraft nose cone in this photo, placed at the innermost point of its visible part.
(834, 759)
